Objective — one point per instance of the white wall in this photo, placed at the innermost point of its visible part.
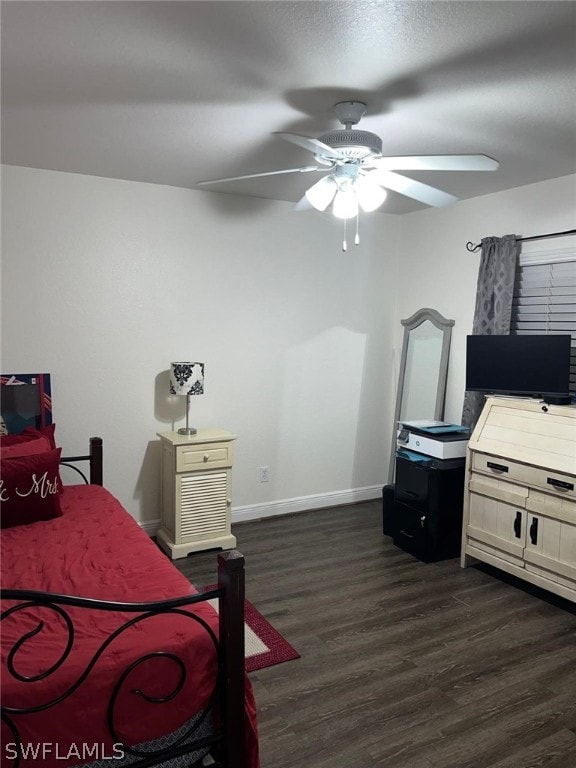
(436, 270)
(105, 282)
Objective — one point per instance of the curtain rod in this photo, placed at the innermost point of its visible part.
(472, 248)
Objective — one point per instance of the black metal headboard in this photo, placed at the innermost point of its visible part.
(95, 476)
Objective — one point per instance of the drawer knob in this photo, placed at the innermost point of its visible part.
(206, 457)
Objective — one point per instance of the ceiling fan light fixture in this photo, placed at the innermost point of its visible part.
(321, 194)
(345, 203)
(370, 195)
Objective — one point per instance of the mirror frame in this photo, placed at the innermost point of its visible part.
(409, 324)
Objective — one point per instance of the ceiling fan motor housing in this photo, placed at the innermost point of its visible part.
(353, 144)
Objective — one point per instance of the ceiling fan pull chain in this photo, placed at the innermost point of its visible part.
(357, 238)
(344, 245)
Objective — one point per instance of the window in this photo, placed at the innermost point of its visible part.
(544, 298)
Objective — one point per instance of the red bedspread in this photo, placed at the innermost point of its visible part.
(97, 550)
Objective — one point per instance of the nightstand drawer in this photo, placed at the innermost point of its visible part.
(212, 456)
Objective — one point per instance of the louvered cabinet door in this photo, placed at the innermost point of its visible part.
(196, 492)
(204, 504)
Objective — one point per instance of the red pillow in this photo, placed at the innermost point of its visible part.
(38, 445)
(30, 488)
(30, 433)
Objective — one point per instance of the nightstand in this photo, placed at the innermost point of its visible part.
(196, 492)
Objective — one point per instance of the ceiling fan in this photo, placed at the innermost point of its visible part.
(359, 174)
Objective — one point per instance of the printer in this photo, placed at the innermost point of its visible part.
(432, 438)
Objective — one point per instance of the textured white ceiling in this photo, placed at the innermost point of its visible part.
(176, 92)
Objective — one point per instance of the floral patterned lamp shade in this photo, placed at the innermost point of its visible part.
(187, 379)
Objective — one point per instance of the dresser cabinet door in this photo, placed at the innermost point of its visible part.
(497, 527)
(551, 549)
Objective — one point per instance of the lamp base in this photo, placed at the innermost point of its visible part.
(187, 431)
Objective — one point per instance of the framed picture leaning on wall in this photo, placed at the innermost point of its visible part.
(25, 401)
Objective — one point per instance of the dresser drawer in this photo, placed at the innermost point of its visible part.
(552, 506)
(556, 483)
(212, 456)
(498, 489)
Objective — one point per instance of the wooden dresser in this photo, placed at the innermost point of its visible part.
(520, 498)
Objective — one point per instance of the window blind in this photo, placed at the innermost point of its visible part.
(544, 300)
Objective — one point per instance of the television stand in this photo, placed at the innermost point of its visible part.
(520, 493)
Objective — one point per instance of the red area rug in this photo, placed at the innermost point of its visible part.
(265, 646)
(277, 649)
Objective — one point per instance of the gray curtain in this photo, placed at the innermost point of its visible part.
(493, 303)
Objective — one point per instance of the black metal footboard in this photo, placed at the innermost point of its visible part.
(225, 740)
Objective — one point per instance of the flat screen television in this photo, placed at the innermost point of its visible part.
(527, 365)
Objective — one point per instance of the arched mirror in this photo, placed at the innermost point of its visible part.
(423, 371)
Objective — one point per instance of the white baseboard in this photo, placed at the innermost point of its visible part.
(150, 526)
(289, 506)
(305, 503)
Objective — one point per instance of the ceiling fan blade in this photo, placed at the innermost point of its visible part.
(306, 169)
(303, 204)
(436, 163)
(411, 188)
(312, 145)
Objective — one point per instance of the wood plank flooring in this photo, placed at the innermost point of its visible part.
(404, 664)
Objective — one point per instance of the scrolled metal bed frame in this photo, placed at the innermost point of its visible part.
(226, 742)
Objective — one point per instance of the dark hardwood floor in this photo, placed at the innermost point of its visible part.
(404, 664)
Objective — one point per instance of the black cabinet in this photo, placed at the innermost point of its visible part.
(388, 510)
(427, 509)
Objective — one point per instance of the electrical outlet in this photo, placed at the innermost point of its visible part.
(264, 474)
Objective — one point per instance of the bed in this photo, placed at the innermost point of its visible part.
(109, 656)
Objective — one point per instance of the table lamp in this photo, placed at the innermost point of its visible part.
(187, 379)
